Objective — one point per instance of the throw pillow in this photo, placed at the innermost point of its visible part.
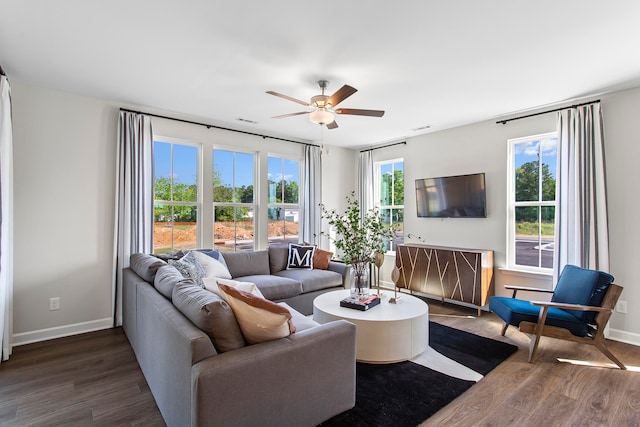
(165, 280)
(189, 267)
(212, 284)
(215, 254)
(209, 313)
(145, 266)
(260, 320)
(300, 257)
(321, 259)
(212, 267)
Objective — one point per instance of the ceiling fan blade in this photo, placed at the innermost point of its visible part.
(360, 112)
(291, 115)
(270, 92)
(332, 125)
(341, 94)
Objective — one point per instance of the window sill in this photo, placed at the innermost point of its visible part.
(525, 273)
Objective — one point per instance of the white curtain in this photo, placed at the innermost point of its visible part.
(310, 217)
(582, 231)
(365, 181)
(6, 217)
(134, 198)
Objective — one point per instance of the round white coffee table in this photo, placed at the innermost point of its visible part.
(385, 333)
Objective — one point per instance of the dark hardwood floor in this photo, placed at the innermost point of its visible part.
(94, 379)
(86, 380)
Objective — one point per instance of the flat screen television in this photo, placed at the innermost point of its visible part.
(461, 196)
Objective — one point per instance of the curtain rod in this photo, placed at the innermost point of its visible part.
(208, 126)
(504, 122)
(384, 146)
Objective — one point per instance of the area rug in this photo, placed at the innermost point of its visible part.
(406, 394)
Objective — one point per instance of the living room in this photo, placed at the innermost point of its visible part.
(65, 173)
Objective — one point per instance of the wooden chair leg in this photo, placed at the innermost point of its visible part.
(504, 328)
(535, 339)
(605, 350)
(533, 346)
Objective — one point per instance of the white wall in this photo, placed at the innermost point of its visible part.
(65, 187)
(482, 147)
(64, 161)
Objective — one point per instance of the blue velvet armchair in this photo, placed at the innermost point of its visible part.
(580, 308)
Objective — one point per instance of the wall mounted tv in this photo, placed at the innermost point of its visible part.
(461, 196)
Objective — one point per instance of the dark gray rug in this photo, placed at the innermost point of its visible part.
(406, 394)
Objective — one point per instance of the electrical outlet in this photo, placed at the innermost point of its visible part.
(54, 303)
(621, 307)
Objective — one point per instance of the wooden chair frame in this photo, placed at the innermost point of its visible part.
(596, 336)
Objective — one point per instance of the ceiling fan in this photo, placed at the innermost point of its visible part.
(324, 106)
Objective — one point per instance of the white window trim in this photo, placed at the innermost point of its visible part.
(376, 189)
(256, 191)
(511, 250)
(199, 183)
(297, 206)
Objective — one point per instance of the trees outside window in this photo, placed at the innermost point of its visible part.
(389, 196)
(176, 201)
(283, 195)
(233, 200)
(532, 202)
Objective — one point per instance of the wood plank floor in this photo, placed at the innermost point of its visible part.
(546, 392)
(94, 379)
(86, 380)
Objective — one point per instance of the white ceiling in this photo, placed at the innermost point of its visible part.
(426, 63)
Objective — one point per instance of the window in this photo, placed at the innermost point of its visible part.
(233, 200)
(283, 198)
(532, 202)
(176, 200)
(390, 196)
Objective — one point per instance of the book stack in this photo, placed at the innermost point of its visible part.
(361, 304)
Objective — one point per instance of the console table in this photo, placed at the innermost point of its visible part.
(456, 274)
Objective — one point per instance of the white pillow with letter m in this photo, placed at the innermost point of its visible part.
(300, 256)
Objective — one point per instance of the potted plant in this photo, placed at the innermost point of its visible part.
(358, 239)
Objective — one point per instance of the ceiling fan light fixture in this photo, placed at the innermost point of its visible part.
(321, 116)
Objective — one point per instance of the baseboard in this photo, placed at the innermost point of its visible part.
(623, 336)
(61, 331)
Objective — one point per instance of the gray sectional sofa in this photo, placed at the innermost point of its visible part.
(297, 287)
(197, 379)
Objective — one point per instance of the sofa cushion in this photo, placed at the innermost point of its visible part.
(278, 256)
(274, 287)
(247, 263)
(513, 311)
(190, 267)
(210, 313)
(145, 266)
(260, 320)
(300, 257)
(300, 321)
(212, 267)
(313, 280)
(166, 279)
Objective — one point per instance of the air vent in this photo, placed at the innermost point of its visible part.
(240, 119)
